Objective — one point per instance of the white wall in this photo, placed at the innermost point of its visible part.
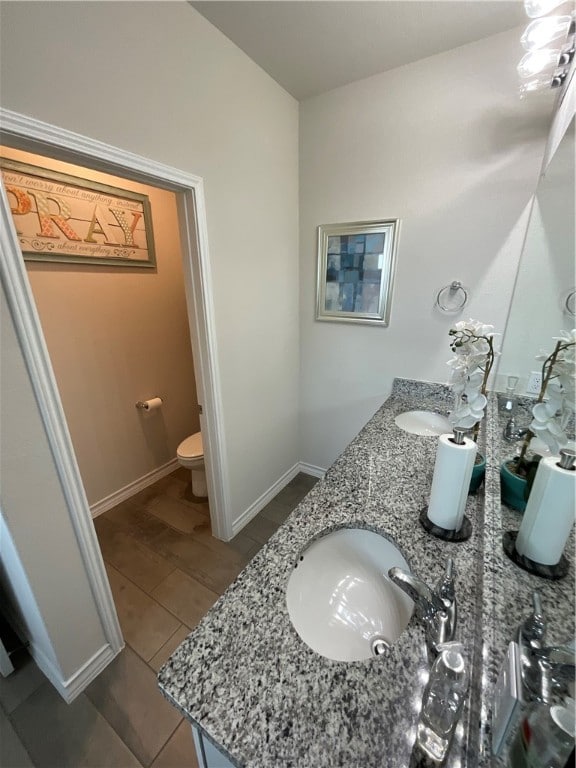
(21, 607)
(546, 272)
(41, 562)
(159, 80)
(446, 146)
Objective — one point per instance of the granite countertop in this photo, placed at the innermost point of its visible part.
(252, 686)
(507, 592)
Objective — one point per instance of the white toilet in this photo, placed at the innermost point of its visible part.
(190, 454)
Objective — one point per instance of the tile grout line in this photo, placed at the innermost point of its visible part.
(147, 550)
(96, 709)
(167, 740)
(168, 558)
(159, 605)
(25, 699)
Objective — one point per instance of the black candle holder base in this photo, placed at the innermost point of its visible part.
(551, 572)
(445, 533)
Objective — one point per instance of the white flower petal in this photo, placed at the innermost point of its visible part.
(555, 429)
(476, 378)
(550, 441)
(480, 402)
(541, 412)
(554, 388)
(538, 426)
(468, 422)
(568, 337)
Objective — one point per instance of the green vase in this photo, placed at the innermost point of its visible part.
(477, 474)
(512, 488)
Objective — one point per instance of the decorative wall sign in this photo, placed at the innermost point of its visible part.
(355, 271)
(64, 218)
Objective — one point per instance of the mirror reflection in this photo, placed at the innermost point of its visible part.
(543, 300)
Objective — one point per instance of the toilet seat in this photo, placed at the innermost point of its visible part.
(191, 447)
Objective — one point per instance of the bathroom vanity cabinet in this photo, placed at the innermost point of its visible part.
(208, 755)
(248, 683)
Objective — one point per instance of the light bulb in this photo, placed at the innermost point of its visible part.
(536, 8)
(541, 32)
(540, 83)
(538, 61)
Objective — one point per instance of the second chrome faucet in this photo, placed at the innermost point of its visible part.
(435, 608)
(546, 670)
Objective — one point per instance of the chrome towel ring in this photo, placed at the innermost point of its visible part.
(570, 303)
(452, 298)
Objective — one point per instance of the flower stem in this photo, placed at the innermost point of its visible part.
(487, 368)
(547, 375)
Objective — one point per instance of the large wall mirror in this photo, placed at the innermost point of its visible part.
(543, 300)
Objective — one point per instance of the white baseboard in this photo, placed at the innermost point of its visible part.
(264, 499)
(132, 488)
(267, 496)
(89, 671)
(81, 679)
(311, 469)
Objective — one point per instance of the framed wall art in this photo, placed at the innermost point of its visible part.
(356, 270)
(64, 218)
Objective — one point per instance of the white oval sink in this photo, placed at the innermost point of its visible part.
(340, 599)
(423, 423)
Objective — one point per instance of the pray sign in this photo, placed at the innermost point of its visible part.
(63, 218)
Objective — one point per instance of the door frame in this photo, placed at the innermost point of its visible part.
(29, 134)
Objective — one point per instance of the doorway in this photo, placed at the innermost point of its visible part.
(27, 134)
(117, 333)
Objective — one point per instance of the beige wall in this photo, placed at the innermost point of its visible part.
(159, 80)
(115, 336)
(445, 145)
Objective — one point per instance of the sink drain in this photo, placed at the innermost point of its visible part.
(379, 646)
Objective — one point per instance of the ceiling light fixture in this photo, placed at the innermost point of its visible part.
(536, 8)
(542, 32)
(541, 83)
(543, 60)
(549, 42)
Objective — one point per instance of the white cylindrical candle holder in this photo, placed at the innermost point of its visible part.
(451, 482)
(549, 514)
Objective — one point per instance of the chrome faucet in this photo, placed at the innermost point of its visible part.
(545, 670)
(436, 609)
(512, 433)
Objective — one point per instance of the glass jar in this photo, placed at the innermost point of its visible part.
(442, 701)
(545, 738)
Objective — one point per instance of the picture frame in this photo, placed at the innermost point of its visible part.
(63, 218)
(356, 264)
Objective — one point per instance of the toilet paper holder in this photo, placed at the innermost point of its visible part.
(145, 405)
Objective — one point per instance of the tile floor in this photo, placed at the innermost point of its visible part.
(165, 570)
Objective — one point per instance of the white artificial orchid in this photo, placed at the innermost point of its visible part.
(545, 423)
(475, 327)
(472, 345)
(469, 412)
(567, 337)
(556, 400)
